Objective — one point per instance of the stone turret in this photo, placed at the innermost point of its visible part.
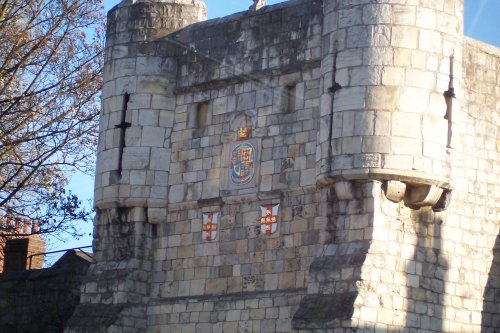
(138, 102)
(133, 158)
(390, 72)
(387, 132)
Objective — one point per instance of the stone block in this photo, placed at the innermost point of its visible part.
(267, 168)
(377, 14)
(176, 193)
(137, 177)
(410, 95)
(154, 84)
(215, 286)
(132, 137)
(162, 102)
(349, 17)
(367, 161)
(135, 157)
(156, 65)
(363, 123)
(430, 41)
(153, 136)
(420, 79)
(124, 67)
(365, 76)
(349, 58)
(404, 36)
(391, 76)
(246, 101)
(351, 145)
(210, 189)
(400, 162)
(121, 85)
(119, 51)
(425, 18)
(350, 98)
(109, 90)
(406, 125)
(108, 160)
(376, 144)
(359, 36)
(219, 105)
(435, 129)
(404, 15)
(160, 159)
(307, 177)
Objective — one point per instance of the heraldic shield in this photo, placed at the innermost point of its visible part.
(269, 219)
(209, 228)
(242, 163)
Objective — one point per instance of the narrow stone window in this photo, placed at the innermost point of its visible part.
(154, 230)
(202, 115)
(116, 175)
(289, 98)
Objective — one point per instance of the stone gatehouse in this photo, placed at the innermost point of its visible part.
(312, 166)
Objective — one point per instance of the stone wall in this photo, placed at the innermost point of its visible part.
(41, 300)
(476, 211)
(369, 136)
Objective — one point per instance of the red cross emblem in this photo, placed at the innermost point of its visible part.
(209, 226)
(269, 219)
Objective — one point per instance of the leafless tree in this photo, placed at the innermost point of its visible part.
(50, 78)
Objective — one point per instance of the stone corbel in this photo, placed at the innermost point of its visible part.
(424, 195)
(395, 190)
(418, 195)
(443, 202)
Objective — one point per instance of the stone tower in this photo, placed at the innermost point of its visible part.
(312, 166)
(138, 109)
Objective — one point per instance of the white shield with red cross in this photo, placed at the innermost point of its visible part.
(209, 227)
(269, 219)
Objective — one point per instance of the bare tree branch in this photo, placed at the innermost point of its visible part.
(50, 79)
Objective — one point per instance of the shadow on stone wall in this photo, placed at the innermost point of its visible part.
(490, 321)
(42, 300)
(426, 274)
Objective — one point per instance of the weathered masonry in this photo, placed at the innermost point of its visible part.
(312, 166)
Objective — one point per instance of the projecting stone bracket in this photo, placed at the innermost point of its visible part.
(418, 195)
(395, 190)
(413, 194)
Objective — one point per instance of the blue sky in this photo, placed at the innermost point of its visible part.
(481, 22)
(481, 16)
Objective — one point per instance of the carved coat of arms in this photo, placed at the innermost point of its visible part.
(269, 219)
(209, 227)
(242, 163)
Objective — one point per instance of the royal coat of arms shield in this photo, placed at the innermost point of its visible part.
(242, 163)
(209, 227)
(269, 219)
